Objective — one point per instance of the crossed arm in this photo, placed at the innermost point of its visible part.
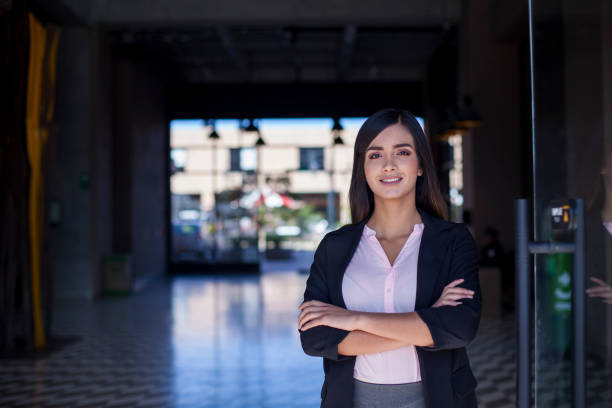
(376, 332)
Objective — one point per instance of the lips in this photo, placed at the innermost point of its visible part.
(391, 180)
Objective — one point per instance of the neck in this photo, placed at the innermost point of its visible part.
(394, 218)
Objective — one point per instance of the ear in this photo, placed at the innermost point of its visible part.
(420, 172)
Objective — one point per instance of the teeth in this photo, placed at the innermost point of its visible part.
(391, 180)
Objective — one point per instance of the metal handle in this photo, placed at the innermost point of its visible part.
(523, 297)
(578, 315)
(522, 301)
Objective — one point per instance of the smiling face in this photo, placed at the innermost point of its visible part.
(391, 164)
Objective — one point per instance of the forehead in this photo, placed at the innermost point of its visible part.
(392, 135)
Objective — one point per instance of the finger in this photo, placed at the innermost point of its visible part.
(457, 296)
(301, 317)
(450, 303)
(308, 303)
(311, 309)
(315, 307)
(598, 289)
(461, 291)
(454, 283)
(313, 303)
(597, 280)
(456, 290)
(308, 317)
(311, 324)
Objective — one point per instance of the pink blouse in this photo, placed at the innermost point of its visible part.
(372, 284)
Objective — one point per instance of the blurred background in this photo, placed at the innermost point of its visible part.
(168, 168)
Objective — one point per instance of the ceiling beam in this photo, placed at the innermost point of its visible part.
(346, 51)
(319, 13)
(292, 100)
(232, 52)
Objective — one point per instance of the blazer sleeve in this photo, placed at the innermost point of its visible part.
(454, 327)
(321, 341)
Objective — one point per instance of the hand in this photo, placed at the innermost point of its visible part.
(315, 313)
(451, 294)
(603, 290)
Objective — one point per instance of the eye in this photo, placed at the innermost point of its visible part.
(373, 155)
(404, 152)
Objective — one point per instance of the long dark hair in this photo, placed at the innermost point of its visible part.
(428, 197)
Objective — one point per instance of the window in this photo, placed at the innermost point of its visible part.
(179, 159)
(243, 159)
(311, 158)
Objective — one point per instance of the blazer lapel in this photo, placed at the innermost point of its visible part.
(350, 243)
(428, 264)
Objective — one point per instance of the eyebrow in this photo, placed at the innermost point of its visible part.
(396, 146)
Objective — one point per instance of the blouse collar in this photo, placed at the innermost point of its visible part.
(369, 232)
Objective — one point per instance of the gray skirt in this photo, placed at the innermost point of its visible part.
(368, 395)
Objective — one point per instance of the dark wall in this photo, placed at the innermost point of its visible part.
(70, 239)
(101, 155)
(140, 167)
(107, 165)
(78, 179)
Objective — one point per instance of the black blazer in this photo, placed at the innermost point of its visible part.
(447, 252)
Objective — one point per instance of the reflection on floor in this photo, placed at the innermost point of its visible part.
(227, 341)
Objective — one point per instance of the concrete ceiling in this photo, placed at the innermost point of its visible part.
(279, 54)
(267, 12)
(280, 41)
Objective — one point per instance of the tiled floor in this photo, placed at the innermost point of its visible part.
(223, 342)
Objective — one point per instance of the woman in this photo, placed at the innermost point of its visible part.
(383, 305)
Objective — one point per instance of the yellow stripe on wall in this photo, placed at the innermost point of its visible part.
(36, 136)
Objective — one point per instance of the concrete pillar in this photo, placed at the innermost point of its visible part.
(140, 167)
(78, 154)
(493, 166)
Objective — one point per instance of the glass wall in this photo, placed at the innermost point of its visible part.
(572, 159)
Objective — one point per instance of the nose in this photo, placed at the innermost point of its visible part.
(389, 164)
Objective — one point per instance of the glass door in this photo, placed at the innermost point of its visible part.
(571, 62)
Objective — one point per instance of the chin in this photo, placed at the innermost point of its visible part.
(392, 195)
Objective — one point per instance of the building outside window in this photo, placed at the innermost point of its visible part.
(243, 159)
(178, 159)
(230, 197)
(311, 158)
